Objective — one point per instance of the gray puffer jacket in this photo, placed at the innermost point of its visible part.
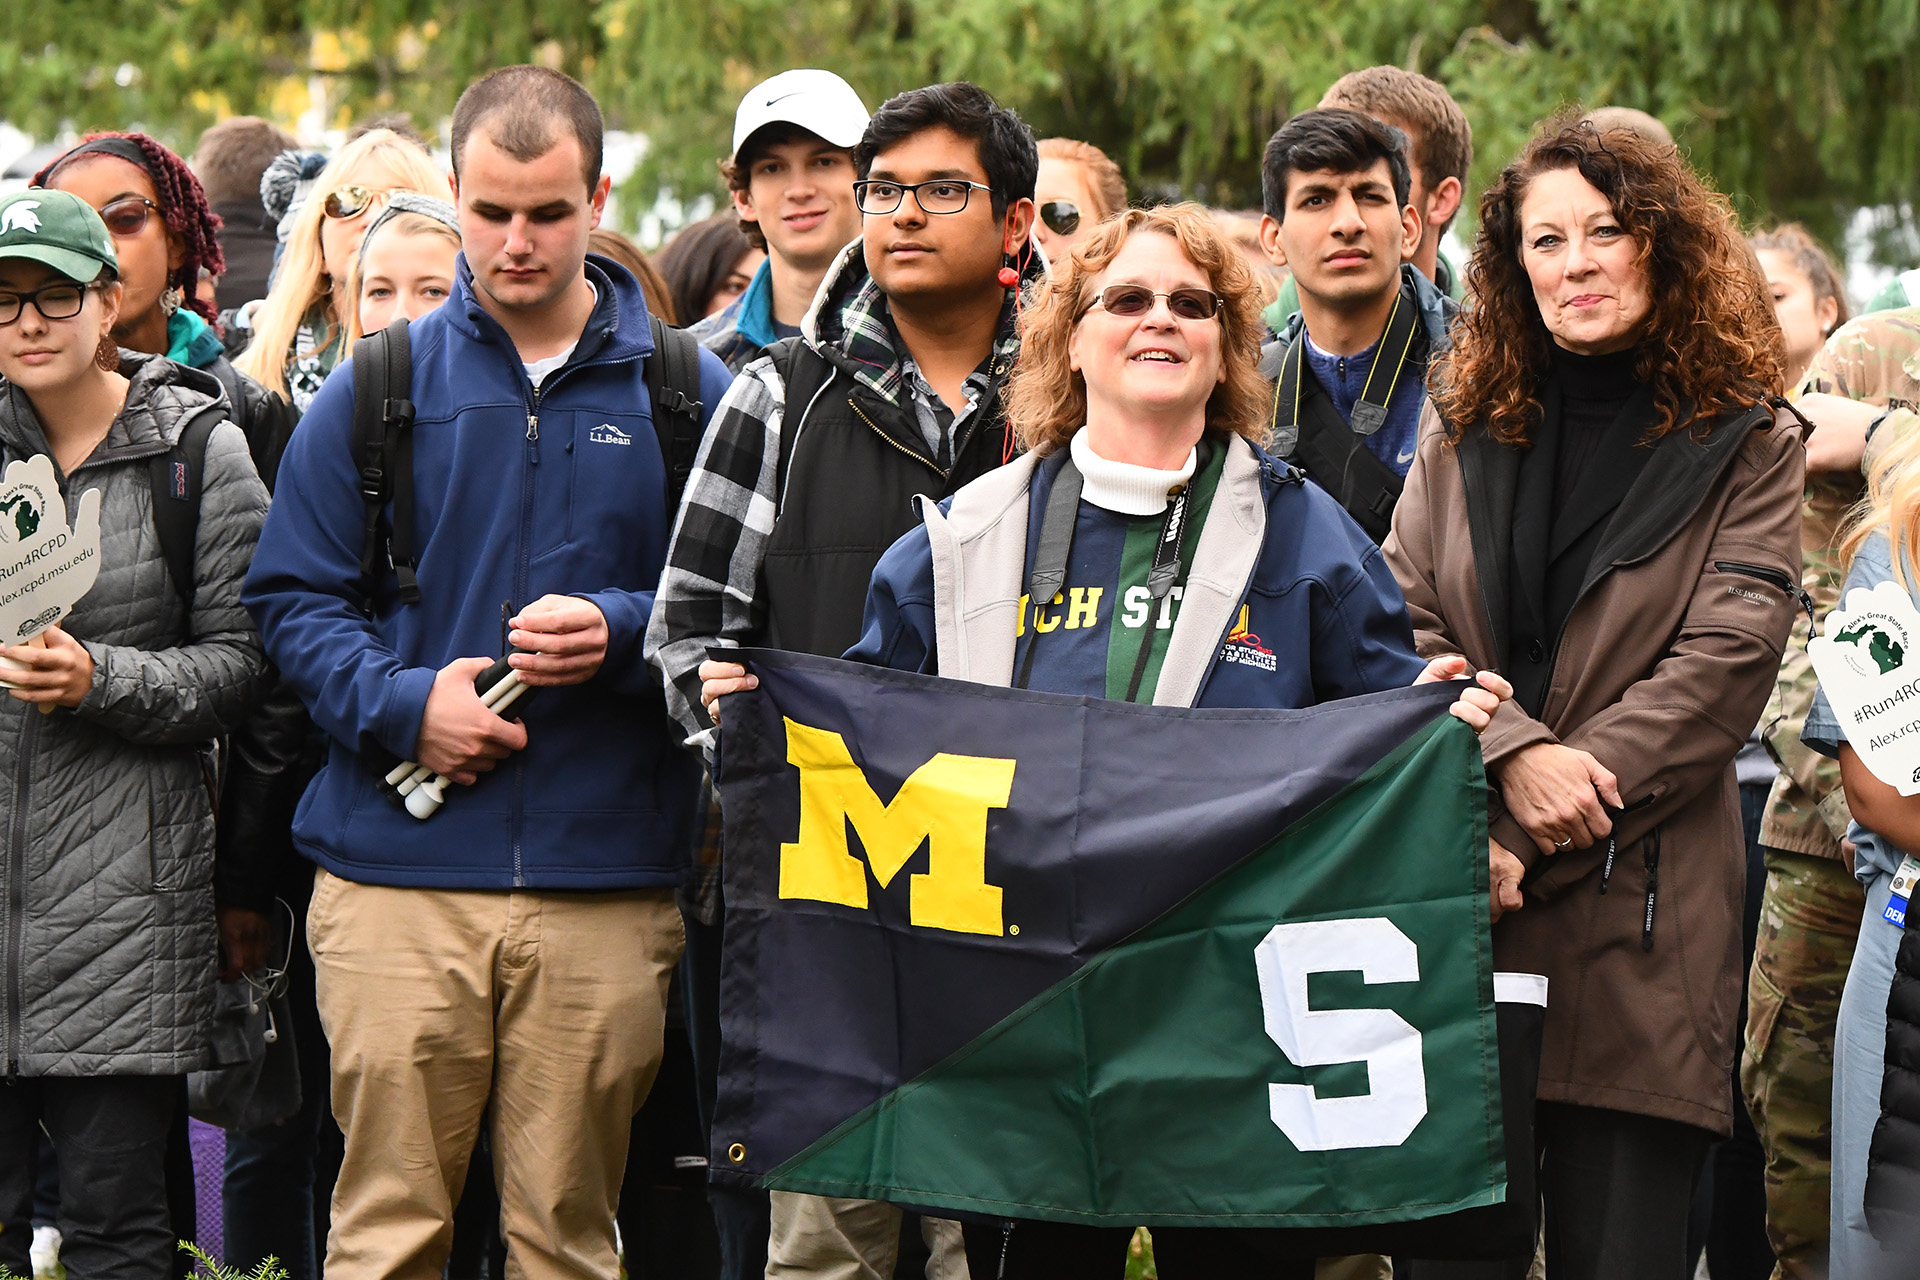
(108, 946)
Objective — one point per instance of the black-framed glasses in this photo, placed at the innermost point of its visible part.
(1131, 301)
(938, 195)
(352, 200)
(61, 301)
(1062, 217)
(128, 215)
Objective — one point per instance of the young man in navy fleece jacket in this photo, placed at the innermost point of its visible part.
(514, 950)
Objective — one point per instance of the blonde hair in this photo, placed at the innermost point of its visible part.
(1104, 178)
(400, 224)
(1047, 400)
(1892, 503)
(301, 281)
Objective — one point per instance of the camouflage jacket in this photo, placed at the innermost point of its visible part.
(1875, 358)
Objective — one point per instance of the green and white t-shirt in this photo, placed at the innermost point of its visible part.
(1087, 639)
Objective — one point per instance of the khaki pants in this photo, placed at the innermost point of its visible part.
(437, 1003)
(826, 1238)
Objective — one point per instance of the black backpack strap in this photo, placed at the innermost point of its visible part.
(673, 385)
(265, 419)
(229, 379)
(1309, 432)
(382, 445)
(175, 478)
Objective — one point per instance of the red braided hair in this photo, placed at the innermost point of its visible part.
(183, 204)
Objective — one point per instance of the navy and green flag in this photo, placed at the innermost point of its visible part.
(1015, 954)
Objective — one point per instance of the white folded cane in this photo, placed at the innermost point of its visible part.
(423, 790)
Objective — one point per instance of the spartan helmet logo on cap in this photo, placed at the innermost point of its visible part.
(20, 217)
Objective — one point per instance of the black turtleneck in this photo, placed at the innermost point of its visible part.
(1569, 485)
(1593, 389)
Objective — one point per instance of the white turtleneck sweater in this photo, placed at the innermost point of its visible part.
(1122, 487)
(1090, 635)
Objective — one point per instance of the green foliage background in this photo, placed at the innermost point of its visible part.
(1796, 108)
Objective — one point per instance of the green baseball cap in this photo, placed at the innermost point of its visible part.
(58, 229)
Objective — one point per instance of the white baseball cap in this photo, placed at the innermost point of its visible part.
(818, 101)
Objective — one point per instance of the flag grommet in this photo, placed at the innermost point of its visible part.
(737, 1153)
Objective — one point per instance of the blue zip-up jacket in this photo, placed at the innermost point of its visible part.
(1319, 617)
(741, 333)
(516, 496)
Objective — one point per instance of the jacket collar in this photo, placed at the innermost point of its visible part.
(616, 331)
(850, 326)
(1685, 467)
(974, 634)
(191, 341)
(1436, 311)
(753, 310)
(161, 396)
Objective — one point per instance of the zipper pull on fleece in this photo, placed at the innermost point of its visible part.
(1606, 868)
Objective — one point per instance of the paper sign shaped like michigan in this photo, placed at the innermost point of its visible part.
(45, 566)
(1869, 667)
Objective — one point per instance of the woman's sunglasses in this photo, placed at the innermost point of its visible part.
(1062, 217)
(1130, 301)
(128, 215)
(352, 201)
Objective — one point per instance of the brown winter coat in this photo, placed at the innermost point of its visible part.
(1662, 670)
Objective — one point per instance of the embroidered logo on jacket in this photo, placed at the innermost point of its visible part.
(607, 433)
(1244, 647)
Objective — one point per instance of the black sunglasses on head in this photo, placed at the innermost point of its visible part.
(1062, 217)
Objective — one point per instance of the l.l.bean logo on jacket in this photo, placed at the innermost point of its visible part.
(607, 433)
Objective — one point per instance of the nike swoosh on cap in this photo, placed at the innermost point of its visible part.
(783, 97)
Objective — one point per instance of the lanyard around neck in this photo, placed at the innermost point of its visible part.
(1056, 543)
(1369, 411)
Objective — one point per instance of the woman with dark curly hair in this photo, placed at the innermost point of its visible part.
(1605, 509)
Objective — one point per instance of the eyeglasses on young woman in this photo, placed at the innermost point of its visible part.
(1062, 217)
(128, 215)
(61, 301)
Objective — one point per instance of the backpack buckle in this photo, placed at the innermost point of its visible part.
(674, 400)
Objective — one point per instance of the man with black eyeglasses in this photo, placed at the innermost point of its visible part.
(894, 389)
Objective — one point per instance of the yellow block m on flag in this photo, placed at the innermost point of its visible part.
(944, 804)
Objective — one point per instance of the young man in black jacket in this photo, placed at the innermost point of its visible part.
(893, 389)
(1351, 369)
